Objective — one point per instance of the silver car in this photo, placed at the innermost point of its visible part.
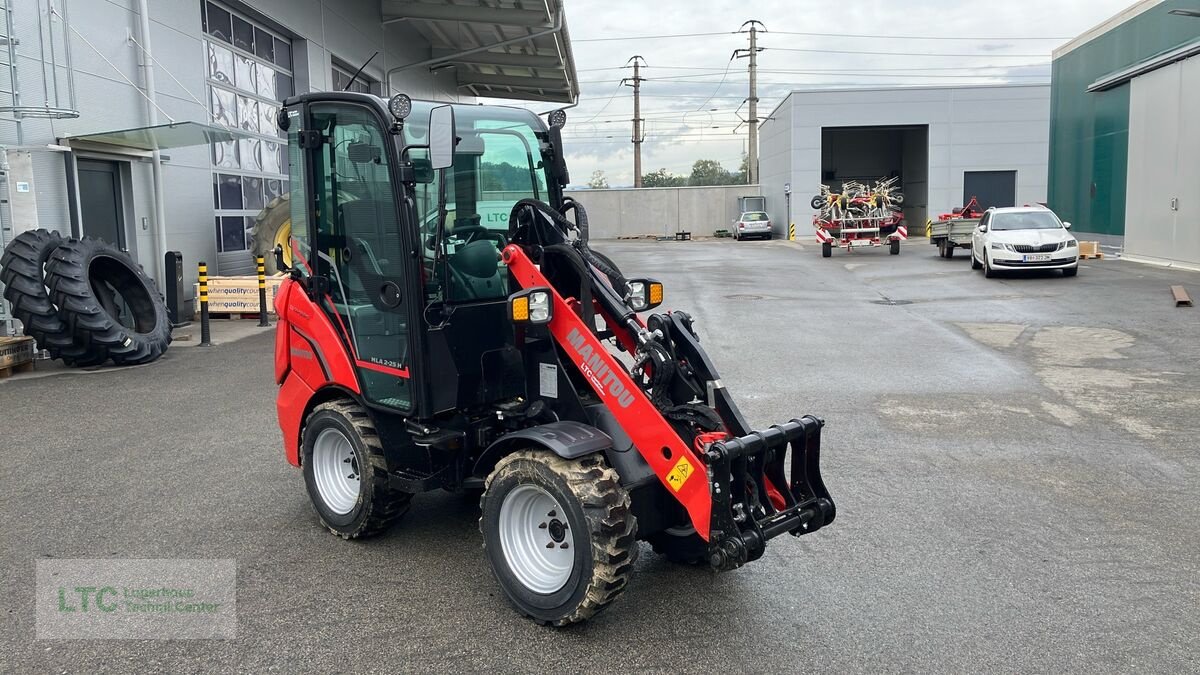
(752, 224)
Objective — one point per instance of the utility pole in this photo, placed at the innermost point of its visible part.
(752, 54)
(638, 136)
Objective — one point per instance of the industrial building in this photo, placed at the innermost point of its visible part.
(945, 144)
(152, 124)
(1124, 143)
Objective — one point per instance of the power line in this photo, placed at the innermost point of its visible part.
(647, 37)
(855, 51)
(975, 38)
(713, 70)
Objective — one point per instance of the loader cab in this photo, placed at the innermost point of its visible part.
(398, 223)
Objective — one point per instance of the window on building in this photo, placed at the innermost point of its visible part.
(249, 73)
(362, 84)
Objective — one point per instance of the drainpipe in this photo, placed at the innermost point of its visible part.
(160, 217)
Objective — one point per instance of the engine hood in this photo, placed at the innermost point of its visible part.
(1030, 237)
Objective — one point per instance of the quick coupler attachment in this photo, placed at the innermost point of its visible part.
(753, 500)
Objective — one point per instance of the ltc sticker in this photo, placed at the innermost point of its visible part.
(680, 474)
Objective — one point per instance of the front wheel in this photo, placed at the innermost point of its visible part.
(988, 272)
(558, 533)
(975, 264)
(345, 471)
(895, 247)
(1071, 271)
(826, 250)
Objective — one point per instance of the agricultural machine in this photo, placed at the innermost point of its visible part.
(860, 216)
(423, 344)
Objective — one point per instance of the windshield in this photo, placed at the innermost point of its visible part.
(757, 215)
(497, 162)
(1025, 220)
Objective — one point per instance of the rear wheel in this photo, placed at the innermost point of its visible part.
(559, 534)
(941, 248)
(950, 250)
(826, 250)
(346, 472)
(895, 247)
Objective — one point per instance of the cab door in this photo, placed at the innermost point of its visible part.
(360, 244)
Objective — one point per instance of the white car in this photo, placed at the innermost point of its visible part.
(1023, 238)
(752, 224)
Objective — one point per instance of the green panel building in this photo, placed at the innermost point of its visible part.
(1089, 130)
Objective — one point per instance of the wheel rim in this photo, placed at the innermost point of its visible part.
(283, 239)
(335, 470)
(535, 537)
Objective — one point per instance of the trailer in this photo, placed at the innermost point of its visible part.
(950, 234)
(860, 216)
(955, 229)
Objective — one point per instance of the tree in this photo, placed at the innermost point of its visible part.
(598, 181)
(663, 178)
(710, 172)
(743, 172)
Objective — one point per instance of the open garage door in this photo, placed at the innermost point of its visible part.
(866, 154)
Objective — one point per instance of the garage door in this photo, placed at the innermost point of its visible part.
(990, 188)
(1162, 215)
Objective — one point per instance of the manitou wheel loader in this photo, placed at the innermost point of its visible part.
(445, 325)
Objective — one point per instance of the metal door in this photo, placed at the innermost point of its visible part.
(1187, 174)
(100, 207)
(1154, 139)
(990, 188)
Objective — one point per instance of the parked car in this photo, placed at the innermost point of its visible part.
(752, 224)
(1023, 238)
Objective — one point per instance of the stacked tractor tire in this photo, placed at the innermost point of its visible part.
(84, 300)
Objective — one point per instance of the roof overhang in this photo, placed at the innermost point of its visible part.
(1117, 78)
(517, 49)
(161, 137)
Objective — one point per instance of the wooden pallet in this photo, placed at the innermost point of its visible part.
(1091, 256)
(9, 371)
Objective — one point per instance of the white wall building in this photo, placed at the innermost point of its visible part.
(945, 143)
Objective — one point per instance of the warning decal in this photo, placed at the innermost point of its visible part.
(679, 475)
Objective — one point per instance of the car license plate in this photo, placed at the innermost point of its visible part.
(1038, 257)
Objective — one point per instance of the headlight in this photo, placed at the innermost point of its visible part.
(644, 294)
(1070, 243)
(997, 246)
(532, 306)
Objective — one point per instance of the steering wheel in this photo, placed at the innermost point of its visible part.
(476, 232)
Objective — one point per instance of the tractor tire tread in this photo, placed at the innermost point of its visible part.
(387, 505)
(611, 525)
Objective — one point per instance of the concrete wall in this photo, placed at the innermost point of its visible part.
(348, 29)
(985, 128)
(661, 211)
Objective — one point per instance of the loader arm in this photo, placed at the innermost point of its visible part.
(677, 413)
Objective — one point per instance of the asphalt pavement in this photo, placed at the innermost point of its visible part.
(1014, 463)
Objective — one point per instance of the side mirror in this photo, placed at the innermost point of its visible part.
(1066, 225)
(982, 227)
(442, 137)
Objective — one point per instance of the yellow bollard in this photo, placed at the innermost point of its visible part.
(202, 277)
(262, 291)
(792, 232)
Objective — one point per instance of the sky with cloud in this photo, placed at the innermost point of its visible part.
(694, 94)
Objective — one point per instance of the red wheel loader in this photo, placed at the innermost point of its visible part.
(445, 325)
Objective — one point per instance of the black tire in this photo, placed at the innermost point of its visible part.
(826, 250)
(680, 545)
(85, 279)
(988, 272)
(266, 232)
(817, 202)
(950, 250)
(894, 249)
(941, 245)
(975, 264)
(1071, 271)
(22, 271)
(598, 522)
(378, 506)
